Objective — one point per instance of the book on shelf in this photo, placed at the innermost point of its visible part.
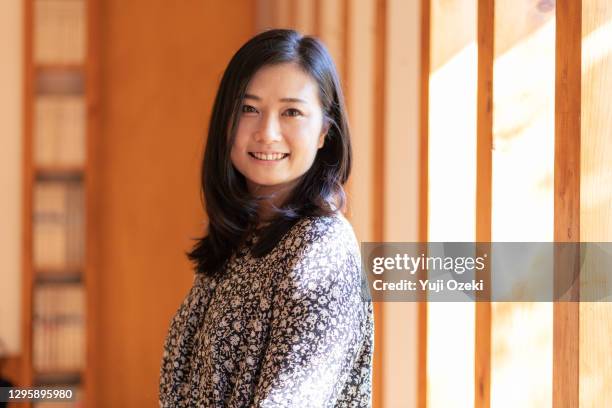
(58, 225)
(59, 130)
(59, 31)
(58, 328)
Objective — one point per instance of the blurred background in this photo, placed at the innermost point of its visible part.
(471, 121)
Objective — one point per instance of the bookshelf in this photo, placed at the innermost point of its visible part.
(59, 129)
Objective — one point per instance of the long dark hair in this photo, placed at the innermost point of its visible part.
(232, 211)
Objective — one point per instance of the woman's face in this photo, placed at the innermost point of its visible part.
(280, 129)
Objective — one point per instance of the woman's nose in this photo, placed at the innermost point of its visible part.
(269, 130)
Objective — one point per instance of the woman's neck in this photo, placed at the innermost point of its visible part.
(275, 197)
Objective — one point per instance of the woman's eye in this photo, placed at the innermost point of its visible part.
(248, 109)
(293, 112)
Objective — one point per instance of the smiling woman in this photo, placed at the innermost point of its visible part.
(276, 315)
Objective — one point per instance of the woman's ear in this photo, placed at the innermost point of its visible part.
(323, 134)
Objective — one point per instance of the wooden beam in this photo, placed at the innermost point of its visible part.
(377, 188)
(484, 147)
(380, 56)
(423, 191)
(400, 184)
(93, 140)
(28, 186)
(566, 315)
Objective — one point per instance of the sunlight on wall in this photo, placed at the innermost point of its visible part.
(452, 148)
(596, 195)
(522, 196)
(452, 189)
(523, 139)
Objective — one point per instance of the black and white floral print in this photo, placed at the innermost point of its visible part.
(290, 329)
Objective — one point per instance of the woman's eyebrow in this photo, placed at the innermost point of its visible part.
(292, 100)
(257, 98)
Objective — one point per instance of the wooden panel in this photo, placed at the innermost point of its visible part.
(361, 104)
(28, 183)
(355, 52)
(379, 397)
(424, 120)
(484, 112)
(92, 209)
(459, 20)
(399, 48)
(567, 194)
(264, 17)
(11, 182)
(275, 14)
(482, 344)
(425, 54)
(595, 365)
(519, 21)
(354, 31)
(331, 28)
(382, 60)
(281, 10)
(303, 16)
(161, 66)
(567, 123)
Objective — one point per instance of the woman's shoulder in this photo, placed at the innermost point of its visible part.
(328, 233)
(321, 227)
(321, 252)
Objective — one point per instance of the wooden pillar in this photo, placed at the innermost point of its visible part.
(566, 315)
(485, 37)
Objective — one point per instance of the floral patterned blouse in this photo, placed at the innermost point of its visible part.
(290, 329)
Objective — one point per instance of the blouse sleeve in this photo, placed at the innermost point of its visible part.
(317, 328)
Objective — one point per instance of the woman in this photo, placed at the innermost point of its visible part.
(276, 316)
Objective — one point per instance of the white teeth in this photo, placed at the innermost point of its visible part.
(270, 156)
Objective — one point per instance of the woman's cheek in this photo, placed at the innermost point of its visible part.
(246, 126)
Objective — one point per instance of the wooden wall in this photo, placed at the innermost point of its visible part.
(160, 65)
